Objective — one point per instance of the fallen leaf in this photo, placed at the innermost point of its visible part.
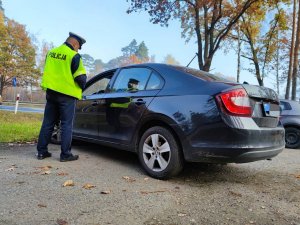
(105, 192)
(62, 174)
(129, 179)
(298, 176)
(182, 214)
(68, 183)
(235, 194)
(21, 182)
(88, 186)
(46, 172)
(42, 206)
(61, 222)
(10, 169)
(44, 167)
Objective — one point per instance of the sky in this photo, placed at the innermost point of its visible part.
(107, 28)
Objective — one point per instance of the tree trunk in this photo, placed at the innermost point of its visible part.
(207, 64)
(296, 63)
(277, 64)
(239, 55)
(1, 85)
(290, 71)
(257, 70)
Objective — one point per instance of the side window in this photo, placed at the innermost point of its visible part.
(97, 87)
(285, 106)
(131, 79)
(154, 82)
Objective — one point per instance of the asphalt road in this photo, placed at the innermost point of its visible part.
(21, 109)
(32, 192)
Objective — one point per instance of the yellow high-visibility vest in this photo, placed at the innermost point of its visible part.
(57, 72)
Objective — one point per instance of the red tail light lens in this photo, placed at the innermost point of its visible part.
(236, 102)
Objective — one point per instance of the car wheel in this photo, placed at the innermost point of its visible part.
(159, 153)
(56, 134)
(292, 137)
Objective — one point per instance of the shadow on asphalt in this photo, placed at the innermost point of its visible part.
(197, 173)
(130, 159)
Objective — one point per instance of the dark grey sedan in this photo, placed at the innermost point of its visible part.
(171, 114)
(290, 118)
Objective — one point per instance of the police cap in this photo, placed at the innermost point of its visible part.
(80, 39)
(133, 81)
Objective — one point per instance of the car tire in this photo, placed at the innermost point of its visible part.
(159, 153)
(292, 137)
(56, 135)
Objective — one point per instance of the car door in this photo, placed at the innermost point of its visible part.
(126, 104)
(89, 110)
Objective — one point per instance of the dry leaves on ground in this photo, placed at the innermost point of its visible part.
(128, 179)
(42, 206)
(10, 169)
(88, 186)
(47, 172)
(61, 222)
(235, 194)
(68, 183)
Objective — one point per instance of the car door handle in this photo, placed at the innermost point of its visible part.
(140, 102)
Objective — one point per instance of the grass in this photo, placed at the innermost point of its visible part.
(20, 127)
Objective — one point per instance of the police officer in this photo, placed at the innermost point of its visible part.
(63, 79)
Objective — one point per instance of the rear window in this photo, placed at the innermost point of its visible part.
(285, 106)
(202, 75)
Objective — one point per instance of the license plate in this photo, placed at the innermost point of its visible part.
(267, 108)
(271, 110)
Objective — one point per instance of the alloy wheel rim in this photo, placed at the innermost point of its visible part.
(156, 152)
(56, 134)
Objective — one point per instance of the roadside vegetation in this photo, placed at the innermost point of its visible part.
(20, 127)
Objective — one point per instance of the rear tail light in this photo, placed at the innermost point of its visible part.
(235, 102)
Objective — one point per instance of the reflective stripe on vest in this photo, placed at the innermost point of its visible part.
(57, 72)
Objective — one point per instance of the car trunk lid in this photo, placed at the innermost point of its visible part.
(262, 102)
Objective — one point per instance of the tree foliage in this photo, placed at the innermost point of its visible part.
(42, 52)
(261, 26)
(169, 59)
(209, 20)
(89, 64)
(17, 54)
(130, 49)
(142, 52)
(1, 8)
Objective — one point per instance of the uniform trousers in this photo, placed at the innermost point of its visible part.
(59, 108)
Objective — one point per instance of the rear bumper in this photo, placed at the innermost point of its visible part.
(232, 155)
(234, 145)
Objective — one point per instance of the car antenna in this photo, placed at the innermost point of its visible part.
(192, 59)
